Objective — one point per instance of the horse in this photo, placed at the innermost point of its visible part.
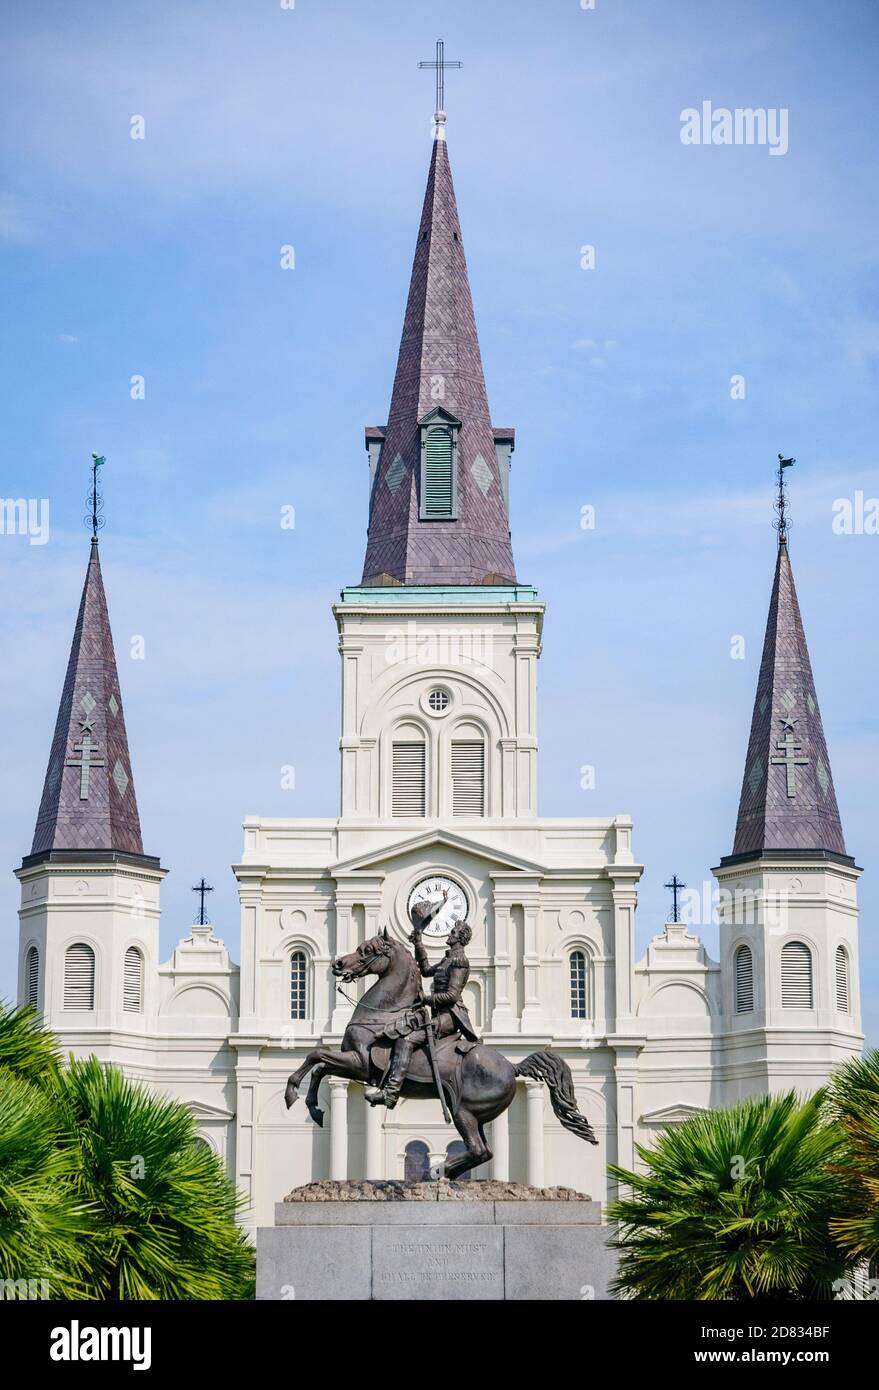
(479, 1081)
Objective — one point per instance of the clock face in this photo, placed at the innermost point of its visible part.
(453, 909)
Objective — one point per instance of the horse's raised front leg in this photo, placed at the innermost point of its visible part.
(347, 1064)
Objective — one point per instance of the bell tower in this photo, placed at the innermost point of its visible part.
(439, 641)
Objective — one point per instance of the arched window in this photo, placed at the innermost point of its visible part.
(409, 778)
(579, 992)
(32, 977)
(298, 985)
(132, 982)
(79, 977)
(438, 488)
(454, 1149)
(744, 980)
(842, 1000)
(417, 1163)
(796, 976)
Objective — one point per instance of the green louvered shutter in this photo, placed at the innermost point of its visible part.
(438, 473)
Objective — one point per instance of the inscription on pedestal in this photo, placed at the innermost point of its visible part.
(449, 1262)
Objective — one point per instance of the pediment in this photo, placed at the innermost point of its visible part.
(440, 839)
(202, 1111)
(439, 416)
(673, 1114)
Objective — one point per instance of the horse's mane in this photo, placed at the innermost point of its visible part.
(387, 946)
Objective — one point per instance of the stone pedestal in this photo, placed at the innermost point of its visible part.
(433, 1242)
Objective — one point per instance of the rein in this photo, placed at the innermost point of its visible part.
(359, 1003)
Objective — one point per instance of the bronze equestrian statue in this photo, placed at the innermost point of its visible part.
(399, 1043)
(445, 1009)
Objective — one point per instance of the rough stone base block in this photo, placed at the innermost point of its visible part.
(408, 1248)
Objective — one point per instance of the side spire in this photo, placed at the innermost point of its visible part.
(788, 801)
(88, 802)
(440, 471)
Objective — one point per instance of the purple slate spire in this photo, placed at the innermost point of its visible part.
(88, 802)
(439, 368)
(788, 802)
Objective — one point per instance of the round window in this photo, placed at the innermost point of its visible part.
(439, 700)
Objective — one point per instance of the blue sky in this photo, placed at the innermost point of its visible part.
(310, 127)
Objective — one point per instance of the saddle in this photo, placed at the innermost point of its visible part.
(450, 1054)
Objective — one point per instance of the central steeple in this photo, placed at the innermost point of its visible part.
(439, 470)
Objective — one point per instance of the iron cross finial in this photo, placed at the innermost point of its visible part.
(675, 885)
(95, 499)
(781, 524)
(202, 887)
(440, 63)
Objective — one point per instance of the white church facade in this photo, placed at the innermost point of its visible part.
(439, 645)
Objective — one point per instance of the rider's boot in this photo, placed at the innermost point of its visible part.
(390, 1092)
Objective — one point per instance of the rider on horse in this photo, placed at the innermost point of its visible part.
(444, 1011)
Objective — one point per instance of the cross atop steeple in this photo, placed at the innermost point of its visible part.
(440, 64)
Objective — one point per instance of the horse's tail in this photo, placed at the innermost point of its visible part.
(555, 1073)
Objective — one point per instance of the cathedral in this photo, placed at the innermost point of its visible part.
(439, 644)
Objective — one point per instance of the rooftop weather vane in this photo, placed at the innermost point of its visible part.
(781, 524)
(95, 499)
(675, 885)
(440, 63)
(201, 888)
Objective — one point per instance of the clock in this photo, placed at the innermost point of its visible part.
(454, 909)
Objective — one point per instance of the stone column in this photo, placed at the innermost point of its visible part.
(502, 1014)
(375, 1158)
(534, 1113)
(499, 1143)
(338, 1128)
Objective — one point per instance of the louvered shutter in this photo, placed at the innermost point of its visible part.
(79, 977)
(438, 473)
(468, 777)
(744, 973)
(841, 980)
(32, 976)
(796, 976)
(408, 779)
(132, 982)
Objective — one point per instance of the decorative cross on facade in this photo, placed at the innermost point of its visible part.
(675, 885)
(84, 762)
(440, 63)
(201, 888)
(790, 746)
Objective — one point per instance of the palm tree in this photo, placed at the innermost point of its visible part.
(42, 1222)
(734, 1204)
(26, 1047)
(105, 1191)
(853, 1095)
(166, 1225)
